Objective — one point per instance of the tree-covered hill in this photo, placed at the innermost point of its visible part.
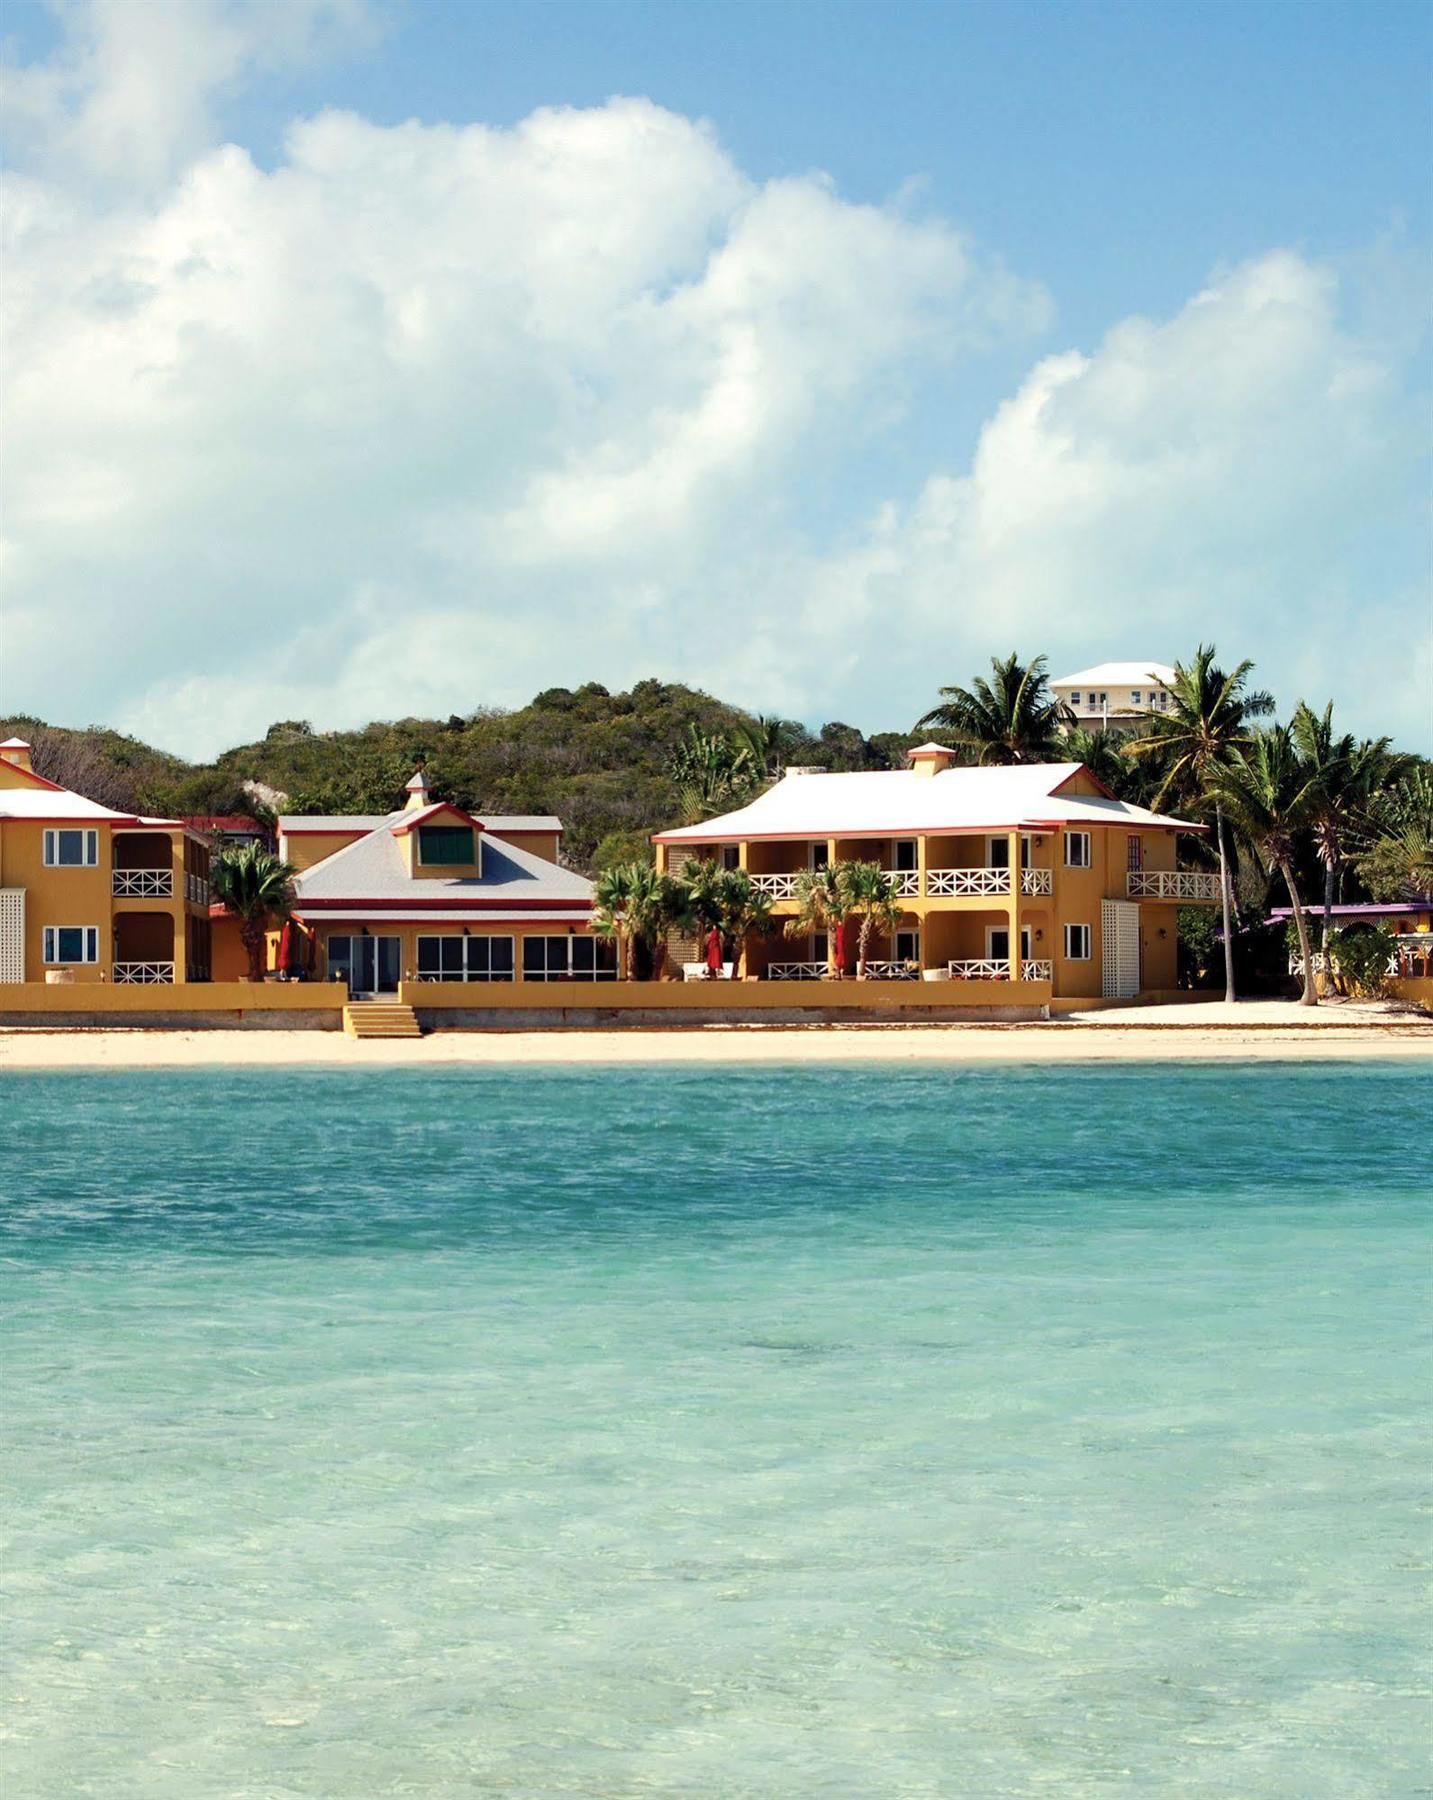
(600, 760)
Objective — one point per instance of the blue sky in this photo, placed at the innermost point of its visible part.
(1090, 329)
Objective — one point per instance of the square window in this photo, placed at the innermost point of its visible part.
(905, 855)
(71, 944)
(65, 849)
(1077, 943)
(445, 846)
(731, 856)
(1077, 849)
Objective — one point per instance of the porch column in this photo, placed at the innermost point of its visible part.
(1014, 905)
(179, 911)
(920, 868)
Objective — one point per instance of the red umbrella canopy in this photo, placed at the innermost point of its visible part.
(714, 955)
(286, 945)
(841, 946)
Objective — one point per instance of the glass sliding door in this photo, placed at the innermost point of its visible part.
(370, 965)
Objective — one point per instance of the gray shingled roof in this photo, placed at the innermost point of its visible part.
(498, 822)
(374, 870)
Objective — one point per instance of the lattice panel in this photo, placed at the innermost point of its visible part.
(12, 934)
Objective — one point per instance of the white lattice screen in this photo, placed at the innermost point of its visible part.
(12, 934)
(1120, 932)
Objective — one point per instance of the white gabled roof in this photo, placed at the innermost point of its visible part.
(902, 803)
(1118, 674)
(49, 802)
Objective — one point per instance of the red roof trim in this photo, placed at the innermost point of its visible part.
(428, 812)
(75, 822)
(356, 831)
(456, 903)
(39, 780)
(1083, 769)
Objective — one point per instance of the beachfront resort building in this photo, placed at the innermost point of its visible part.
(433, 893)
(92, 895)
(1114, 695)
(1034, 873)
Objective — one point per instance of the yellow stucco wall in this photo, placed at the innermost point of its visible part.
(304, 848)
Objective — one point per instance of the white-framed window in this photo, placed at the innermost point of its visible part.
(568, 958)
(71, 944)
(997, 943)
(66, 849)
(1077, 943)
(820, 855)
(1077, 849)
(908, 946)
(997, 851)
(1074, 699)
(1134, 696)
(1134, 852)
(456, 958)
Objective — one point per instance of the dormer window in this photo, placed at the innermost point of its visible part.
(446, 846)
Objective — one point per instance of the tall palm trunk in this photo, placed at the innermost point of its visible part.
(251, 936)
(1310, 996)
(1330, 882)
(1227, 899)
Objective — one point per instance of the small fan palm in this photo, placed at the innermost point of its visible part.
(872, 896)
(822, 905)
(258, 889)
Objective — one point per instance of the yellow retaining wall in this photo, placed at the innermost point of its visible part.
(36, 1002)
(715, 999)
(1417, 988)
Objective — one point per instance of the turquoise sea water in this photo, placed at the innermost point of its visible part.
(741, 1433)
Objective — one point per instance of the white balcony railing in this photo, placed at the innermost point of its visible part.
(1036, 971)
(780, 887)
(955, 883)
(143, 884)
(906, 882)
(795, 971)
(1036, 881)
(892, 971)
(979, 969)
(1172, 884)
(143, 974)
(1296, 964)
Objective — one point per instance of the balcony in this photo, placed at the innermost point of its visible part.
(1172, 884)
(1036, 881)
(143, 884)
(958, 883)
(986, 968)
(796, 971)
(196, 889)
(906, 882)
(143, 974)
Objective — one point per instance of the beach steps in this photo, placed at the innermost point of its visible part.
(380, 1019)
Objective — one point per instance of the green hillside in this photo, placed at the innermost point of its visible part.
(598, 759)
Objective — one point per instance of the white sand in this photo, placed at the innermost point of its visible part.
(1252, 1029)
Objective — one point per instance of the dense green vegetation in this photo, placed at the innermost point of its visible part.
(608, 764)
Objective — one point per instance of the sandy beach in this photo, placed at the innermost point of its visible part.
(1249, 1030)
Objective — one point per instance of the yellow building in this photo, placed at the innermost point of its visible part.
(88, 894)
(433, 893)
(1034, 873)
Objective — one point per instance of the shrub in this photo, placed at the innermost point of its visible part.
(1359, 957)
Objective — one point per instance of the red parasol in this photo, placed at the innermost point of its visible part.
(284, 958)
(714, 953)
(840, 947)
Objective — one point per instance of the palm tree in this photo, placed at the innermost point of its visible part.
(258, 889)
(769, 739)
(613, 916)
(1103, 755)
(823, 902)
(1014, 719)
(1349, 776)
(1396, 838)
(711, 772)
(1207, 723)
(1268, 792)
(872, 897)
(745, 908)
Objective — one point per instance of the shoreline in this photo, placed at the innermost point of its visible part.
(1108, 1037)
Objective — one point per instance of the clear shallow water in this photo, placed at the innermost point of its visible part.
(738, 1434)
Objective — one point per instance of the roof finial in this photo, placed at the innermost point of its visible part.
(417, 790)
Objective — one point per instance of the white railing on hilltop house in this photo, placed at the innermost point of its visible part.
(780, 887)
(143, 974)
(1296, 964)
(891, 971)
(1036, 881)
(954, 883)
(1172, 884)
(143, 884)
(795, 971)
